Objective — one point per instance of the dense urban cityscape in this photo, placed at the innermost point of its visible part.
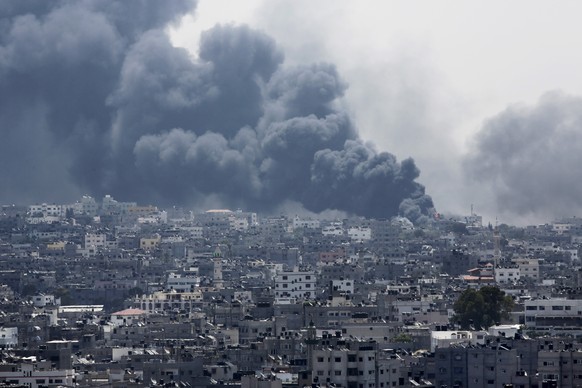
(228, 194)
(109, 293)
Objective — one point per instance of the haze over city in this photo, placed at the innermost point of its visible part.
(290, 194)
(373, 109)
(483, 95)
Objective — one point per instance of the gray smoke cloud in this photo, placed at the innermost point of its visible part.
(530, 157)
(96, 99)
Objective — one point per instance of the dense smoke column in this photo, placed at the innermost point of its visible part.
(59, 63)
(361, 181)
(98, 95)
(530, 157)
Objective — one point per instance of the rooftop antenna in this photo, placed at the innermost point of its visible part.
(497, 250)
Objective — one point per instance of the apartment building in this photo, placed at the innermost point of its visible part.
(295, 284)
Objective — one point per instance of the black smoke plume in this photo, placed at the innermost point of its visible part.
(94, 98)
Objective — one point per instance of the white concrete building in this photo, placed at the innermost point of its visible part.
(508, 331)
(561, 227)
(43, 300)
(35, 374)
(300, 285)
(8, 337)
(344, 367)
(305, 223)
(507, 275)
(360, 234)
(333, 230)
(239, 224)
(109, 205)
(414, 310)
(343, 286)
(87, 205)
(573, 254)
(181, 283)
(444, 339)
(553, 313)
(127, 317)
(195, 232)
(95, 240)
(45, 210)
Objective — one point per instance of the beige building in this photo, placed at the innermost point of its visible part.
(167, 300)
(528, 268)
(151, 242)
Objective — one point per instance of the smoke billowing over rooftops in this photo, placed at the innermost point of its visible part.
(96, 99)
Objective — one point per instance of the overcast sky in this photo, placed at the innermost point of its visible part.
(425, 78)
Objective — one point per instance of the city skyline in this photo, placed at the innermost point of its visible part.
(358, 108)
(431, 80)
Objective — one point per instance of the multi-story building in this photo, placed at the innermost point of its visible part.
(305, 223)
(127, 317)
(45, 210)
(36, 374)
(43, 300)
(562, 367)
(8, 337)
(351, 365)
(95, 240)
(111, 206)
(296, 284)
(239, 224)
(333, 229)
(342, 286)
(359, 234)
(553, 314)
(507, 275)
(494, 365)
(164, 301)
(180, 283)
(87, 205)
(528, 268)
(151, 242)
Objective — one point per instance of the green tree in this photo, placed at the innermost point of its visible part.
(482, 308)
